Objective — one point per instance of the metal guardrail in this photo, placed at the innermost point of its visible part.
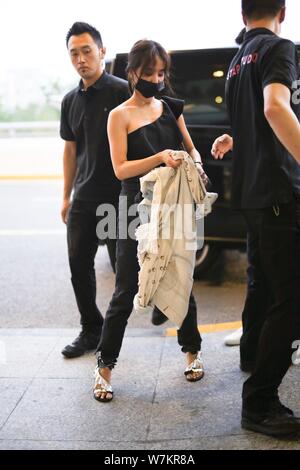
(29, 129)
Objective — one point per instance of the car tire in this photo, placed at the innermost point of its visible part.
(205, 259)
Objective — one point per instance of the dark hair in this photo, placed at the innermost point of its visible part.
(144, 54)
(80, 28)
(258, 9)
(241, 36)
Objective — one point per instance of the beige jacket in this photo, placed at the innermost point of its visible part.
(167, 242)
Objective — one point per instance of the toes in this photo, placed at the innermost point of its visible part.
(103, 396)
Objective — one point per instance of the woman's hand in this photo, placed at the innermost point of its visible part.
(221, 146)
(168, 160)
(205, 179)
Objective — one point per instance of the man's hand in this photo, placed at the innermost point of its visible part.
(65, 209)
(221, 146)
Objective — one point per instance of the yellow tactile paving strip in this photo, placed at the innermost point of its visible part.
(213, 328)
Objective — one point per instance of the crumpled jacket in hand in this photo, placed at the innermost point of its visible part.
(167, 265)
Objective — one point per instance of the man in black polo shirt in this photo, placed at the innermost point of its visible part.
(266, 188)
(88, 171)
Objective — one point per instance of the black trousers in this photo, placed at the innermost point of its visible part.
(271, 317)
(126, 287)
(82, 248)
(258, 298)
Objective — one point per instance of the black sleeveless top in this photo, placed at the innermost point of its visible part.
(153, 138)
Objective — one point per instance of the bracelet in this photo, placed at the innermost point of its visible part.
(198, 162)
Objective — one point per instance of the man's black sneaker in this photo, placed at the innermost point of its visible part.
(85, 342)
(278, 421)
(158, 318)
(286, 409)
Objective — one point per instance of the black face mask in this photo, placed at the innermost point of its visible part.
(149, 89)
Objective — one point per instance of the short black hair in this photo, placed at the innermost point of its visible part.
(80, 28)
(258, 9)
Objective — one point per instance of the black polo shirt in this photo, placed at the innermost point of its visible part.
(264, 174)
(84, 117)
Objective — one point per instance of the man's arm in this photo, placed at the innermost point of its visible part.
(70, 168)
(281, 117)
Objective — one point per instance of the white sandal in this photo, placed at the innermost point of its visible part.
(196, 367)
(102, 386)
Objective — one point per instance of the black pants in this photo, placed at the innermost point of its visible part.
(258, 298)
(121, 305)
(82, 248)
(271, 318)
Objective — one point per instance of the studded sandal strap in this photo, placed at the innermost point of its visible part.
(195, 366)
(105, 386)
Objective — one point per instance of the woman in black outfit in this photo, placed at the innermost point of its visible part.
(142, 133)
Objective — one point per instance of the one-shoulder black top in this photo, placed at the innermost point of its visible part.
(155, 137)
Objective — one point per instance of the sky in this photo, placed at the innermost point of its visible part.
(32, 32)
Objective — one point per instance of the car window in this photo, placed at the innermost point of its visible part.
(199, 78)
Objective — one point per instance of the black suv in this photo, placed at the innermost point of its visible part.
(198, 77)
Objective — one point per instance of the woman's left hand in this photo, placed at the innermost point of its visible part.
(205, 179)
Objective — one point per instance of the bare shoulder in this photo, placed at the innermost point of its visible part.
(122, 108)
(121, 114)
